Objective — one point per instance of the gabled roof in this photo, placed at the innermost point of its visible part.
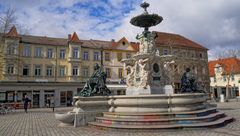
(176, 40)
(74, 38)
(230, 66)
(120, 41)
(13, 32)
(108, 45)
(135, 45)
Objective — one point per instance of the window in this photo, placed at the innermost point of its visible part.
(218, 69)
(200, 55)
(119, 56)
(165, 52)
(232, 77)
(62, 54)
(108, 72)
(75, 71)
(49, 71)
(10, 69)
(214, 79)
(49, 53)
(75, 53)
(120, 73)
(107, 56)
(85, 55)
(25, 70)
(85, 72)
(62, 71)
(193, 54)
(26, 51)
(128, 55)
(10, 50)
(96, 56)
(37, 70)
(224, 78)
(38, 52)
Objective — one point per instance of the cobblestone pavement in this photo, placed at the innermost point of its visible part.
(41, 122)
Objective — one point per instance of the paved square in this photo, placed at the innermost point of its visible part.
(41, 122)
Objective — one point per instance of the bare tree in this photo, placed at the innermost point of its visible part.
(229, 53)
(228, 77)
(7, 20)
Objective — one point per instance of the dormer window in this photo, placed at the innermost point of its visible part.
(218, 68)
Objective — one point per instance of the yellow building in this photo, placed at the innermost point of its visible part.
(44, 67)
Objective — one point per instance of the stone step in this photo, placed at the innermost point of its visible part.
(196, 113)
(170, 119)
(217, 123)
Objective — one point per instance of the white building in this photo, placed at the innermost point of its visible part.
(225, 77)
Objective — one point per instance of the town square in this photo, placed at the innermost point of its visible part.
(126, 68)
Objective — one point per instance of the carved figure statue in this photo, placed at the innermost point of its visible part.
(146, 42)
(130, 75)
(95, 84)
(188, 83)
(144, 70)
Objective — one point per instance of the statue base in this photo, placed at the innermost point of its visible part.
(144, 91)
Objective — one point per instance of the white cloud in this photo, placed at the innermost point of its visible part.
(212, 23)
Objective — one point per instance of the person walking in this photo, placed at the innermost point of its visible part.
(25, 103)
(52, 103)
(48, 102)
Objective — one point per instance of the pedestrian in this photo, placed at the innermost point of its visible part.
(52, 103)
(48, 102)
(25, 103)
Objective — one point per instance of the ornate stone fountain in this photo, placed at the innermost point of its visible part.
(146, 104)
(147, 74)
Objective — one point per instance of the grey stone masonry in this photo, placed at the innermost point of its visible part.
(41, 122)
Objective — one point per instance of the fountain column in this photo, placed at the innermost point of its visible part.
(146, 71)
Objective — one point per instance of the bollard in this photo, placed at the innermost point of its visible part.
(222, 98)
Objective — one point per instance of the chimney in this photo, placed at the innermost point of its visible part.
(69, 36)
(113, 40)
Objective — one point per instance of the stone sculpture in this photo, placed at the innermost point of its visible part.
(95, 86)
(188, 83)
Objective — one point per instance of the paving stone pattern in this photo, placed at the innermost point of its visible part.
(41, 122)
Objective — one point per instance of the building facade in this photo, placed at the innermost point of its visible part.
(44, 67)
(188, 54)
(225, 77)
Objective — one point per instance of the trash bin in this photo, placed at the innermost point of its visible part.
(222, 98)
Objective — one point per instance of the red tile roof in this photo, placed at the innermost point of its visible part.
(135, 45)
(43, 40)
(230, 65)
(74, 38)
(13, 32)
(162, 39)
(176, 40)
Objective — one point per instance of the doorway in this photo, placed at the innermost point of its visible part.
(36, 99)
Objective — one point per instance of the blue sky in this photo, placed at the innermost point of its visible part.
(212, 23)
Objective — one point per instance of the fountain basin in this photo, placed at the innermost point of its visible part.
(66, 118)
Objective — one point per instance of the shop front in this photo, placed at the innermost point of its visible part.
(66, 98)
